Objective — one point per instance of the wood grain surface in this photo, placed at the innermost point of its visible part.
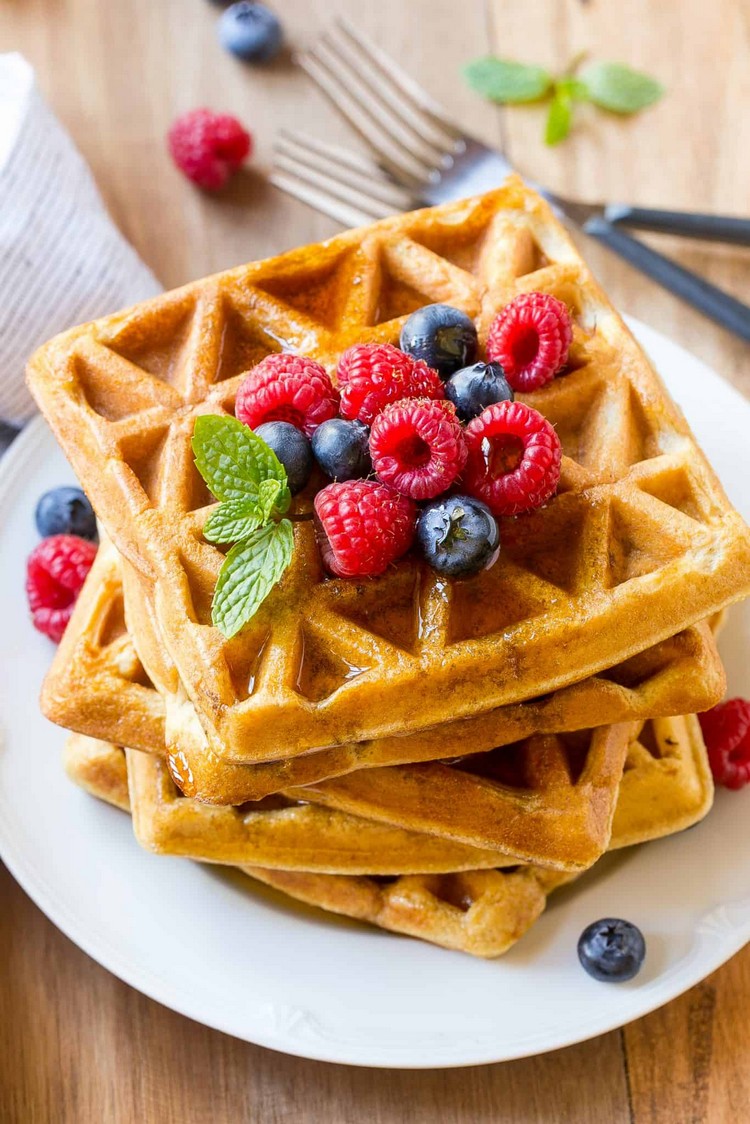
(76, 1045)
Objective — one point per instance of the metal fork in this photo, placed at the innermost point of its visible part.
(429, 160)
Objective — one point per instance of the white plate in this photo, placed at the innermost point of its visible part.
(293, 979)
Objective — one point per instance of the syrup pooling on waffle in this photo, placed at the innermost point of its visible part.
(639, 543)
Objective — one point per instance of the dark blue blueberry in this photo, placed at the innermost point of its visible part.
(65, 511)
(458, 535)
(474, 388)
(251, 31)
(612, 950)
(342, 449)
(293, 450)
(443, 336)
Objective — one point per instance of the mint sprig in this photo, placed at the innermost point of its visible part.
(250, 482)
(609, 85)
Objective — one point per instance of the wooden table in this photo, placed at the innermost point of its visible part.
(78, 1046)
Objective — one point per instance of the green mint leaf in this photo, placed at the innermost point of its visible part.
(504, 81)
(559, 118)
(233, 460)
(573, 88)
(250, 571)
(269, 492)
(616, 87)
(234, 520)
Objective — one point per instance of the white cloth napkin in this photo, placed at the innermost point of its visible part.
(62, 259)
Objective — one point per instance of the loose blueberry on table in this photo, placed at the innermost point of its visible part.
(612, 950)
(251, 31)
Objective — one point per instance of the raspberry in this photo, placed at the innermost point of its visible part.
(726, 730)
(514, 458)
(289, 388)
(55, 572)
(208, 147)
(371, 375)
(530, 338)
(363, 526)
(418, 447)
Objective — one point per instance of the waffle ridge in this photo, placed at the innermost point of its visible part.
(640, 519)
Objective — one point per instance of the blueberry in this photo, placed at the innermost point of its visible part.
(474, 388)
(443, 336)
(251, 31)
(458, 535)
(342, 449)
(293, 450)
(65, 511)
(612, 950)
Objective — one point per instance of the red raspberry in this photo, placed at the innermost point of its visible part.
(55, 572)
(289, 388)
(514, 458)
(418, 447)
(371, 375)
(726, 729)
(362, 527)
(530, 338)
(208, 147)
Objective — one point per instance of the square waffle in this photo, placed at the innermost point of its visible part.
(97, 686)
(640, 542)
(482, 912)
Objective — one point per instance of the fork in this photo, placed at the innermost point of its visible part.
(429, 160)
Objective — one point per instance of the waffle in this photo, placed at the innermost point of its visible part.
(480, 912)
(640, 542)
(97, 686)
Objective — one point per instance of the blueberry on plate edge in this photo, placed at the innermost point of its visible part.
(65, 511)
(293, 450)
(612, 950)
(443, 336)
(458, 535)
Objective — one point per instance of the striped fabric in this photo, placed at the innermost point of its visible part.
(62, 260)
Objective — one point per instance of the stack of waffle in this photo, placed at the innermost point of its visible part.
(430, 755)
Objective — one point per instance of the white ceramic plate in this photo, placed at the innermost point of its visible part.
(293, 979)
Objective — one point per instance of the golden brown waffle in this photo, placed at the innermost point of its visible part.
(96, 687)
(481, 912)
(640, 543)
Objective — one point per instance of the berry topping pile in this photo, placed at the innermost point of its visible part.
(208, 147)
(513, 460)
(726, 729)
(424, 444)
(363, 527)
(371, 376)
(612, 950)
(287, 388)
(55, 572)
(443, 337)
(530, 339)
(418, 446)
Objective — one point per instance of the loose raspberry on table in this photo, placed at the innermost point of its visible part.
(726, 730)
(531, 338)
(514, 458)
(208, 147)
(362, 527)
(55, 572)
(418, 447)
(372, 375)
(288, 388)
